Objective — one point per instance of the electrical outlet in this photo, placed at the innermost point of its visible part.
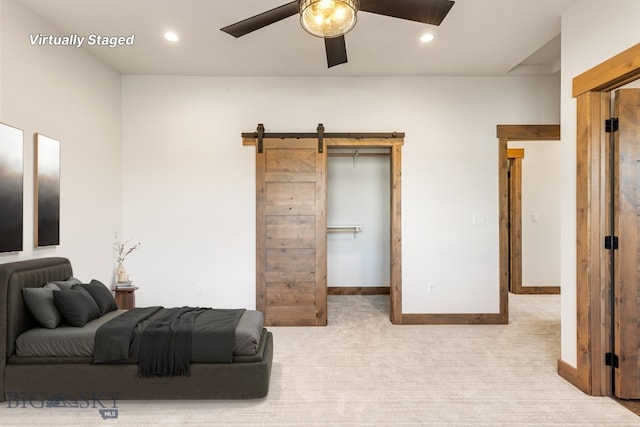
(431, 288)
(200, 289)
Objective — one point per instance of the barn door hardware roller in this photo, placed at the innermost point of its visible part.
(320, 138)
(260, 135)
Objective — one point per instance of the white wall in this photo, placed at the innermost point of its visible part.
(583, 48)
(359, 194)
(189, 190)
(68, 95)
(541, 209)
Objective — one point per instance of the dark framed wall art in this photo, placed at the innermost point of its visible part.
(47, 191)
(11, 188)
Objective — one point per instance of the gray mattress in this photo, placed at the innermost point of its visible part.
(69, 341)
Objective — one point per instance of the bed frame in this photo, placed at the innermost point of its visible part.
(48, 378)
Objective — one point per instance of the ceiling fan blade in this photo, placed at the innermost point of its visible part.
(262, 20)
(336, 51)
(426, 11)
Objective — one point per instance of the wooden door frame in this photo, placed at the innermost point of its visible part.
(592, 90)
(514, 180)
(506, 133)
(393, 141)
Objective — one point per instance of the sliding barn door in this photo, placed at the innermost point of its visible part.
(291, 265)
(626, 210)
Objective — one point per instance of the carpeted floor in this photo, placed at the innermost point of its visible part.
(362, 371)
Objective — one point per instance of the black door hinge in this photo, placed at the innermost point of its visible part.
(611, 242)
(611, 359)
(611, 125)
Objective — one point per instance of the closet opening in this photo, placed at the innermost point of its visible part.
(358, 221)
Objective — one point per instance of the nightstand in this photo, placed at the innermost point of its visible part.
(126, 298)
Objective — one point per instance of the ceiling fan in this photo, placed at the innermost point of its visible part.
(332, 19)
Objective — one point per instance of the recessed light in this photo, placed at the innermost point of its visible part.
(171, 36)
(426, 38)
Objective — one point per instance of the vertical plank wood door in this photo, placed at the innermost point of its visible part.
(627, 257)
(291, 270)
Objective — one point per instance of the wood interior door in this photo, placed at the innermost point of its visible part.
(626, 213)
(291, 270)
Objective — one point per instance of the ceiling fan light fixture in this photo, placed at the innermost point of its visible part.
(328, 18)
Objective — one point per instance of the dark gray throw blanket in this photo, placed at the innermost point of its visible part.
(165, 349)
(115, 339)
(165, 341)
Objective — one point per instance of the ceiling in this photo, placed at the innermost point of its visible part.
(477, 38)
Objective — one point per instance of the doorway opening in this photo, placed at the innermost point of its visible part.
(534, 217)
(358, 226)
(378, 149)
(507, 133)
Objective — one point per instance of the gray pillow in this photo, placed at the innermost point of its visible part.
(64, 285)
(101, 295)
(76, 306)
(39, 302)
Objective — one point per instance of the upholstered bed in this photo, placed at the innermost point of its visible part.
(25, 374)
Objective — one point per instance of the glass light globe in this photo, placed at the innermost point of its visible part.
(328, 18)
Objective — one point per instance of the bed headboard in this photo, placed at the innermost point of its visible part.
(14, 317)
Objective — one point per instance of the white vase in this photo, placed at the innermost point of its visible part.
(121, 273)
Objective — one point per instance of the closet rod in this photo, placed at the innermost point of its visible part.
(359, 154)
(343, 228)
